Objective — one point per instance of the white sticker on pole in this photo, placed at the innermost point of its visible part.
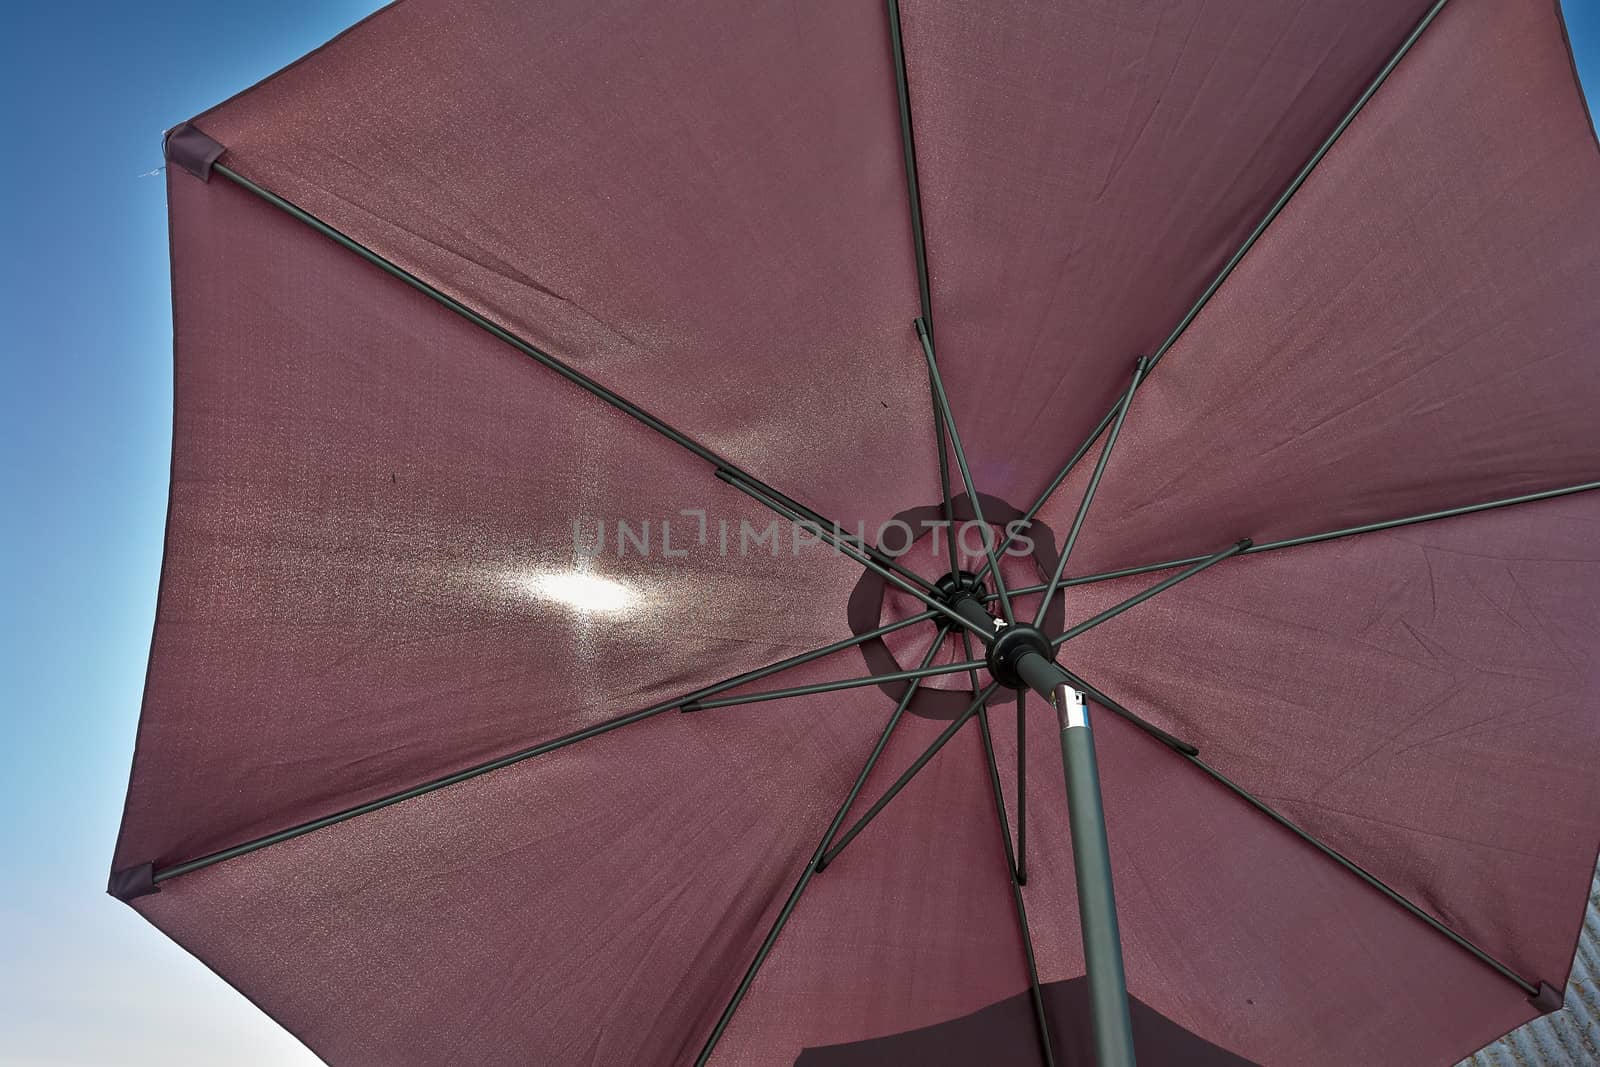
(1070, 703)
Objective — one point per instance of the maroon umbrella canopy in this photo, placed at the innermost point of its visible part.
(510, 338)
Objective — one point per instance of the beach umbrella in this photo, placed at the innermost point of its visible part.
(815, 533)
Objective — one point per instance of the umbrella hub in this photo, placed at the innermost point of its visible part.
(958, 585)
(1012, 643)
(966, 593)
(875, 602)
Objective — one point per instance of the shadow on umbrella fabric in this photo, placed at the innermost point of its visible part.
(1004, 1033)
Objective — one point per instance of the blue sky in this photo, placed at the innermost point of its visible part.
(88, 88)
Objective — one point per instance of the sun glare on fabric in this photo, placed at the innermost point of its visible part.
(586, 592)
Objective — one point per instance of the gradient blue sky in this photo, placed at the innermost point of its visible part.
(88, 88)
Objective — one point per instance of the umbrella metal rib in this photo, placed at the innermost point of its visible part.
(538, 355)
(908, 146)
(920, 250)
(877, 555)
(947, 505)
(1233, 261)
(814, 864)
(942, 404)
(848, 548)
(289, 834)
(1316, 538)
(834, 687)
(1192, 755)
(1175, 743)
(1299, 179)
(1411, 520)
(1530, 988)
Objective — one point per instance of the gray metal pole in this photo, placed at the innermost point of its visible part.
(1091, 856)
(1097, 906)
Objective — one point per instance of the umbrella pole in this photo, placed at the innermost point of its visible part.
(1020, 657)
(1091, 861)
(1097, 906)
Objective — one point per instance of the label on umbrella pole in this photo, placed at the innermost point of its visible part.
(1070, 708)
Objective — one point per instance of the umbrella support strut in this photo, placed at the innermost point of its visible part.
(1014, 861)
(831, 854)
(946, 420)
(1022, 788)
(1242, 545)
(815, 863)
(1089, 490)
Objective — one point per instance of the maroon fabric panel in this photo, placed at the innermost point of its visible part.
(1240, 933)
(1423, 699)
(595, 905)
(372, 518)
(1087, 168)
(1416, 331)
(912, 925)
(705, 212)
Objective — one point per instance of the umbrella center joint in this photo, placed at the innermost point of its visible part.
(960, 585)
(965, 592)
(1011, 644)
